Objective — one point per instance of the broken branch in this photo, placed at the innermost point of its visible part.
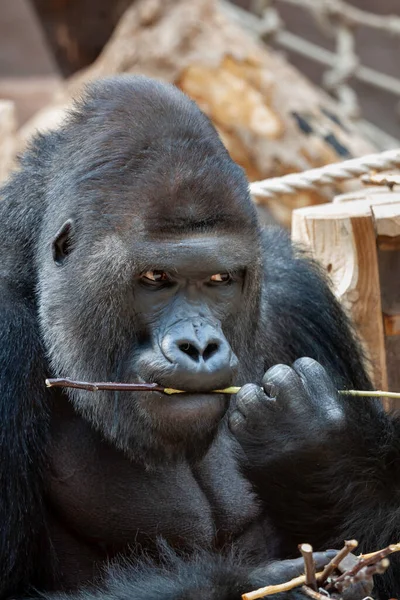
(348, 547)
(309, 565)
(364, 574)
(94, 387)
(125, 387)
(368, 565)
(379, 553)
(374, 559)
(312, 594)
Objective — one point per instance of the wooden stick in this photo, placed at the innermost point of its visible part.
(348, 547)
(125, 387)
(309, 566)
(370, 394)
(312, 594)
(94, 387)
(390, 549)
(364, 574)
(363, 562)
(154, 387)
(277, 589)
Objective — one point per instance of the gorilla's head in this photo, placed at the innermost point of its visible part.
(148, 265)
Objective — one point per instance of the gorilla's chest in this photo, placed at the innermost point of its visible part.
(102, 504)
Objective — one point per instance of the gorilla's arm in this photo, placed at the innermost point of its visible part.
(22, 438)
(205, 575)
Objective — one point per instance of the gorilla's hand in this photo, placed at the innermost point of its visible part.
(296, 409)
(301, 440)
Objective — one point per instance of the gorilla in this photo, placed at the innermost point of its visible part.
(131, 252)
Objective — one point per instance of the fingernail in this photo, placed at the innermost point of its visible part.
(270, 390)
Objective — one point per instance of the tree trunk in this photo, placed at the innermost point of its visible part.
(272, 120)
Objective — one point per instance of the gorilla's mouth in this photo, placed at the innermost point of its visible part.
(160, 403)
(170, 402)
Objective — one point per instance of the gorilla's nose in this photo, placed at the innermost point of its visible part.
(200, 354)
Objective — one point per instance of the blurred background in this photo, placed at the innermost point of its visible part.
(289, 84)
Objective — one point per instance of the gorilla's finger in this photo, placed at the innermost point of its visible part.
(315, 377)
(251, 400)
(320, 388)
(237, 422)
(285, 385)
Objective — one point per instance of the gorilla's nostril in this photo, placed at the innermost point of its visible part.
(210, 351)
(190, 350)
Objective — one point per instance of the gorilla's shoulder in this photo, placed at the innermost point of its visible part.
(276, 243)
(289, 267)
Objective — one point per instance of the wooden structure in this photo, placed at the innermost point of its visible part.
(357, 240)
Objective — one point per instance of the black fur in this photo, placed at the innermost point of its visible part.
(136, 181)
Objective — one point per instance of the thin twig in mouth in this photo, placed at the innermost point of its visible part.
(154, 387)
(125, 387)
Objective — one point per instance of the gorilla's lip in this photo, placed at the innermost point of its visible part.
(191, 400)
(180, 393)
(183, 395)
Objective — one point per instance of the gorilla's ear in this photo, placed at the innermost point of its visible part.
(62, 243)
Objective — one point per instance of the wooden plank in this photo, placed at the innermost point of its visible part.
(369, 194)
(342, 238)
(387, 225)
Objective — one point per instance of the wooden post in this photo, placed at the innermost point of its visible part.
(387, 224)
(358, 242)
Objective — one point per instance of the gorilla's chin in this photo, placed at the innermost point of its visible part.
(179, 426)
(181, 412)
(153, 428)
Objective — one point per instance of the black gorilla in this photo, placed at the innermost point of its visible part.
(131, 251)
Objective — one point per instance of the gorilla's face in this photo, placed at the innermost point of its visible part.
(152, 274)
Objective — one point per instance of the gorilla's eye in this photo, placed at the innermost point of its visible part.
(61, 246)
(154, 277)
(221, 278)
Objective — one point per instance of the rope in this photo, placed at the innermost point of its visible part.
(335, 18)
(329, 174)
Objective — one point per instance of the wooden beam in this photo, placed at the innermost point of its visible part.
(387, 225)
